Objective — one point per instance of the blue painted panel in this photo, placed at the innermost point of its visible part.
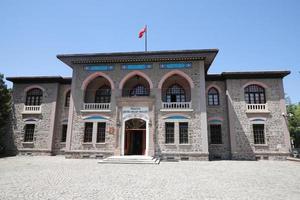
(30, 120)
(177, 117)
(94, 117)
(99, 68)
(258, 120)
(215, 121)
(175, 65)
(137, 66)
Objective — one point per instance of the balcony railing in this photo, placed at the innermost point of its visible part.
(257, 108)
(96, 106)
(176, 105)
(32, 109)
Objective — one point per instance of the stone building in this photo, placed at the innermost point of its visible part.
(159, 103)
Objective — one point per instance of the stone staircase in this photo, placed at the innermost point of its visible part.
(130, 160)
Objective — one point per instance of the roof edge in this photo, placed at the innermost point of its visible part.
(248, 75)
(40, 79)
(136, 53)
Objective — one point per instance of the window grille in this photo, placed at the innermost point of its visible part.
(255, 94)
(183, 133)
(139, 90)
(101, 132)
(64, 133)
(215, 134)
(88, 132)
(29, 132)
(34, 97)
(103, 94)
(169, 131)
(259, 133)
(175, 93)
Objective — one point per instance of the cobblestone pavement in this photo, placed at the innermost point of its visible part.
(60, 178)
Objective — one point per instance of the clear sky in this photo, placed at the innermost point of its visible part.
(250, 34)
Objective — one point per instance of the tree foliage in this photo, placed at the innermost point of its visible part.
(5, 103)
(294, 123)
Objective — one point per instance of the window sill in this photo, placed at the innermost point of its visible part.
(217, 144)
(186, 144)
(62, 142)
(101, 143)
(261, 145)
(213, 106)
(27, 142)
(87, 143)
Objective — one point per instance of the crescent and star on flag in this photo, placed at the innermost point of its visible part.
(143, 32)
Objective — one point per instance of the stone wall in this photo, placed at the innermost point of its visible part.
(197, 132)
(237, 133)
(241, 134)
(218, 114)
(60, 119)
(44, 122)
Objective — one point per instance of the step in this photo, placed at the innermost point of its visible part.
(130, 160)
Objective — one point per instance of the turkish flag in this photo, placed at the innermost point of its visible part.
(141, 33)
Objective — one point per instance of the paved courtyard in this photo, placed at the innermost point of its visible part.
(44, 177)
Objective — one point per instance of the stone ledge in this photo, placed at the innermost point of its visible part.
(293, 159)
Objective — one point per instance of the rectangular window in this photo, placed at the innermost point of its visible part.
(259, 133)
(215, 134)
(169, 127)
(88, 132)
(64, 133)
(101, 132)
(183, 133)
(29, 131)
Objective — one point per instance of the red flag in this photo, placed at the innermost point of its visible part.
(141, 33)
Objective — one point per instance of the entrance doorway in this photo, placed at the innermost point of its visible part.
(135, 137)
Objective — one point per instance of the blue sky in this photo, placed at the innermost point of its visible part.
(250, 34)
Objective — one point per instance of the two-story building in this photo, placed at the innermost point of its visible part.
(159, 103)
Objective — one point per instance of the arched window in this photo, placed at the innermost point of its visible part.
(67, 100)
(213, 97)
(103, 94)
(175, 93)
(139, 90)
(34, 97)
(255, 94)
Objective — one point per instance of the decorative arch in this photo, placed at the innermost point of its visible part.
(215, 120)
(95, 117)
(175, 72)
(95, 75)
(134, 73)
(213, 86)
(32, 87)
(255, 83)
(258, 120)
(176, 114)
(31, 120)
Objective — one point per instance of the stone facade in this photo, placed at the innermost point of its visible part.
(185, 68)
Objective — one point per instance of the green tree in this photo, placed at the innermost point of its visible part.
(294, 123)
(5, 107)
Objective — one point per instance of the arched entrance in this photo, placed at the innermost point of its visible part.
(135, 137)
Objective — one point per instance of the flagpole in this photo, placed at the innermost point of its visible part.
(146, 32)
